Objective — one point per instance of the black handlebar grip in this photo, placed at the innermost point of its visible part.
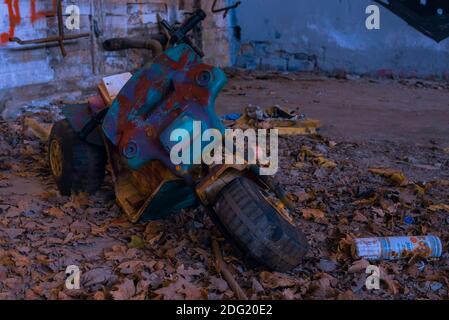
(196, 18)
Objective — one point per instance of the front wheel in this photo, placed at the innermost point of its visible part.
(258, 227)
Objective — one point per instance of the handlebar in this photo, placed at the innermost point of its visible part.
(180, 33)
(177, 35)
(154, 44)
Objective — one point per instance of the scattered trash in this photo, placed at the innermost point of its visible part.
(394, 248)
(286, 122)
(435, 286)
(409, 220)
(231, 117)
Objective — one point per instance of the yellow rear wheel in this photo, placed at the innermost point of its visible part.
(76, 165)
(56, 158)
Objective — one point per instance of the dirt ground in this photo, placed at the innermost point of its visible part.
(398, 127)
(351, 108)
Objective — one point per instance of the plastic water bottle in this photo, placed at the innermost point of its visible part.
(394, 248)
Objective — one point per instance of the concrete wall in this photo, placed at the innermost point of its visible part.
(36, 75)
(331, 35)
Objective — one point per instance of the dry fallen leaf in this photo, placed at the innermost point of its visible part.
(56, 212)
(393, 285)
(442, 182)
(299, 165)
(347, 295)
(359, 266)
(313, 214)
(47, 195)
(289, 294)
(99, 295)
(257, 287)
(218, 284)
(277, 280)
(154, 228)
(439, 207)
(180, 289)
(346, 245)
(395, 176)
(124, 291)
(306, 152)
(136, 243)
(98, 276)
(360, 217)
(131, 267)
(322, 288)
(317, 158)
(325, 163)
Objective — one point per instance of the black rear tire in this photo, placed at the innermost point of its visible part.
(258, 228)
(76, 166)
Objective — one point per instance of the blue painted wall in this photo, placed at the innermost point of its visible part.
(331, 35)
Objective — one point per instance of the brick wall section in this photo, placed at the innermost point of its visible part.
(267, 55)
(35, 75)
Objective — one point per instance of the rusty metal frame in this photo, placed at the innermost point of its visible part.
(60, 39)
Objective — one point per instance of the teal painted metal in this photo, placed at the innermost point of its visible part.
(168, 94)
(178, 82)
(165, 203)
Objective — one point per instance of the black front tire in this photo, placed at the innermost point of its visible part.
(76, 165)
(258, 228)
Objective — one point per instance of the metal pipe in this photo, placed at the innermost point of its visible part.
(117, 44)
(49, 39)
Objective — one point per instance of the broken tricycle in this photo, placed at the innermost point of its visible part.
(132, 133)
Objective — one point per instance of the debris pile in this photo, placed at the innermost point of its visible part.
(286, 122)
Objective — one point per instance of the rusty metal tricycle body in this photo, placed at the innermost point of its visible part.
(170, 93)
(133, 134)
